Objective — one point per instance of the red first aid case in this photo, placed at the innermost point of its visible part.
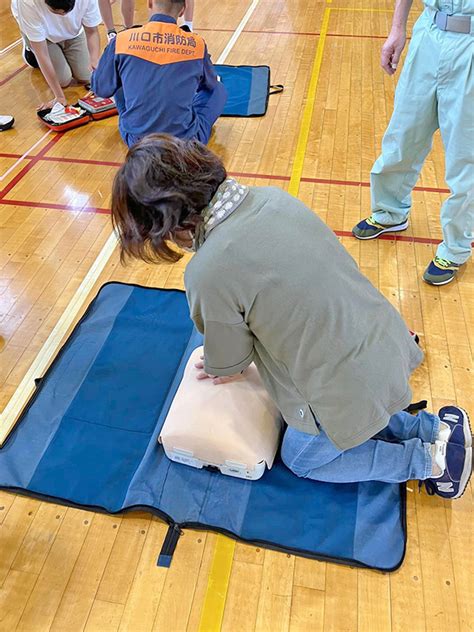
(72, 117)
(90, 108)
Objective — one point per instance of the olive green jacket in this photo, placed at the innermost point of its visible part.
(273, 285)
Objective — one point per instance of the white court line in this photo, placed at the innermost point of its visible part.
(243, 23)
(26, 387)
(5, 50)
(28, 151)
(49, 349)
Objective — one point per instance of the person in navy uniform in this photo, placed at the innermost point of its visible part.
(162, 78)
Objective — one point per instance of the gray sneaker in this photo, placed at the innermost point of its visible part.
(370, 229)
(440, 271)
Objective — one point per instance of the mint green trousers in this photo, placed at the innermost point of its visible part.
(435, 91)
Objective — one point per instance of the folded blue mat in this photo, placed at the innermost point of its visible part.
(248, 89)
(88, 438)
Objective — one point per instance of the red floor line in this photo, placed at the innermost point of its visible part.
(7, 155)
(355, 183)
(13, 74)
(57, 207)
(106, 211)
(348, 183)
(307, 33)
(35, 159)
(392, 237)
(84, 161)
(237, 174)
(260, 176)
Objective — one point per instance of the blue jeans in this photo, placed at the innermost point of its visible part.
(400, 452)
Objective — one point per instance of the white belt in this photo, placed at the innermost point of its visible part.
(454, 23)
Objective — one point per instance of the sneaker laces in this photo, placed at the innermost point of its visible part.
(444, 263)
(372, 222)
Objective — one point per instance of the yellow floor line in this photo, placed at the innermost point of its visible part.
(219, 575)
(217, 585)
(300, 154)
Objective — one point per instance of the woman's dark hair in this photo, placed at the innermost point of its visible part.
(161, 188)
(61, 5)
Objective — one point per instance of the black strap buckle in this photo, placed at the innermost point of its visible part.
(169, 546)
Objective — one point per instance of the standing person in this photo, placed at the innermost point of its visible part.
(162, 78)
(435, 90)
(333, 353)
(61, 38)
(128, 11)
(188, 16)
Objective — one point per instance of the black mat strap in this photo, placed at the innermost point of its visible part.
(416, 406)
(169, 546)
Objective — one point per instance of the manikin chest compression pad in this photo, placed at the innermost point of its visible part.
(89, 438)
(235, 427)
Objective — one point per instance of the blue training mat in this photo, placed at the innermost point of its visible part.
(88, 438)
(248, 89)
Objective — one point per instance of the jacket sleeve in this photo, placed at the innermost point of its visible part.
(228, 341)
(105, 78)
(209, 77)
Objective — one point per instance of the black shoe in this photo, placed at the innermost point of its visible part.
(6, 122)
(29, 57)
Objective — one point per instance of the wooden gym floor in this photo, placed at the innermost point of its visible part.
(65, 569)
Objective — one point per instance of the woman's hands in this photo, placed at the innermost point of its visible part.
(202, 375)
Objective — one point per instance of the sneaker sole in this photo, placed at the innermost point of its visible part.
(390, 229)
(441, 282)
(466, 474)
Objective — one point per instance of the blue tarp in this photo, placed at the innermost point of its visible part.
(89, 438)
(247, 88)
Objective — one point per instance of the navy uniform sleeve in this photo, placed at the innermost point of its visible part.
(209, 76)
(105, 78)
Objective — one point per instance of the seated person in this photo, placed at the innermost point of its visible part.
(162, 78)
(271, 284)
(61, 38)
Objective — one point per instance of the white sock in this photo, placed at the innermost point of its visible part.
(188, 24)
(438, 459)
(444, 431)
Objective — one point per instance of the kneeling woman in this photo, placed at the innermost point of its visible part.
(271, 284)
